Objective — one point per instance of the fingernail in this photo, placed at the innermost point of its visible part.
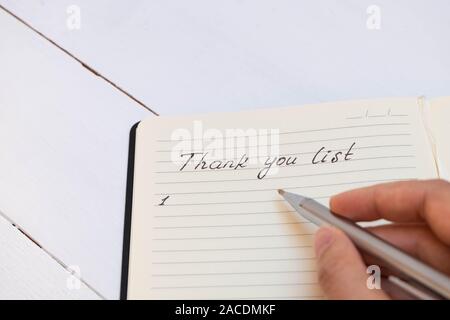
(324, 237)
(331, 201)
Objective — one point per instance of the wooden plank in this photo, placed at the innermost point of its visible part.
(64, 141)
(28, 272)
(246, 54)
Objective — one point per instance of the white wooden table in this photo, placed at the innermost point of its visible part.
(64, 129)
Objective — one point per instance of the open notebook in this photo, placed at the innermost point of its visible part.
(204, 220)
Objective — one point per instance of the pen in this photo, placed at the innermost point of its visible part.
(415, 277)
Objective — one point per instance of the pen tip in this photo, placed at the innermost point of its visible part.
(281, 191)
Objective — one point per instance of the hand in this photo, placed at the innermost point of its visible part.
(420, 212)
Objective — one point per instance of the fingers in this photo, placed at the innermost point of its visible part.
(406, 201)
(419, 241)
(341, 271)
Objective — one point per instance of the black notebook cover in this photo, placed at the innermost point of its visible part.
(128, 209)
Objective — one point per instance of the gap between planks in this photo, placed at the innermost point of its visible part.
(83, 64)
(58, 261)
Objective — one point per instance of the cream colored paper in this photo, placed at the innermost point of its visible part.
(439, 116)
(227, 234)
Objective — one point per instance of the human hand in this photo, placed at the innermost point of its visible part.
(420, 212)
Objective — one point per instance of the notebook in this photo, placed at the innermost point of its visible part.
(203, 218)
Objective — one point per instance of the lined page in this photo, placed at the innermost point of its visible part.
(207, 222)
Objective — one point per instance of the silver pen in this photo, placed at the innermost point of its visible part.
(414, 276)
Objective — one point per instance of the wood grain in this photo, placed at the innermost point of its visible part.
(200, 56)
(27, 272)
(64, 142)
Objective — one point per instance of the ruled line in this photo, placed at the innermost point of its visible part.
(230, 273)
(231, 225)
(287, 177)
(228, 202)
(230, 249)
(237, 285)
(221, 214)
(354, 117)
(231, 261)
(201, 170)
(238, 237)
(292, 143)
(287, 189)
(298, 131)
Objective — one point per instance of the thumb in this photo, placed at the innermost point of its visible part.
(341, 270)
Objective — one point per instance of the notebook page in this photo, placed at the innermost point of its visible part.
(218, 229)
(439, 115)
